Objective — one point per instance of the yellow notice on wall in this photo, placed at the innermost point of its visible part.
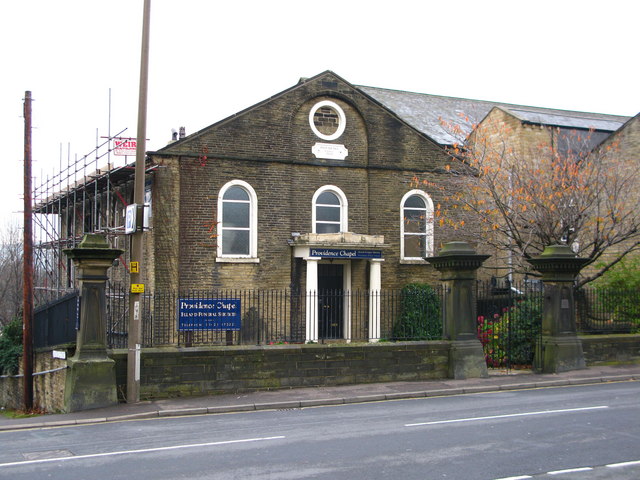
(137, 288)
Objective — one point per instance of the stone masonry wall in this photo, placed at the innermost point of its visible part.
(611, 349)
(172, 372)
(11, 392)
(269, 147)
(48, 388)
(203, 371)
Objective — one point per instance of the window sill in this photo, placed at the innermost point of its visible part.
(237, 260)
(413, 261)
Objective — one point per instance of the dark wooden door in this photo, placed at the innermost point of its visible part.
(330, 300)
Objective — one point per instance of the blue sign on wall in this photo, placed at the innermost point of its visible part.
(208, 314)
(344, 253)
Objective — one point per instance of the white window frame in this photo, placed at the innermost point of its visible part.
(344, 207)
(342, 120)
(428, 233)
(252, 257)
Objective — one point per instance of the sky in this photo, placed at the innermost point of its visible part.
(211, 59)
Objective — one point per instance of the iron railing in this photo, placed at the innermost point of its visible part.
(601, 310)
(508, 318)
(279, 316)
(57, 322)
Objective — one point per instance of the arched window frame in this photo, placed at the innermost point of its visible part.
(252, 257)
(344, 207)
(428, 230)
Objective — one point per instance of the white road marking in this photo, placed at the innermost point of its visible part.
(570, 470)
(144, 450)
(623, 464)
(510, 415)
(521, 477)
(574, 470)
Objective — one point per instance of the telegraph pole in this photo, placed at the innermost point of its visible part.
(136, 261)
(27, 265)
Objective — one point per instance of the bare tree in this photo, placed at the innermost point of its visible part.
(10, 273)
(549, 186)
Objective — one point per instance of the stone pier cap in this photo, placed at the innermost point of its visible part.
(93, 247)
(457, 256)
(558, 263)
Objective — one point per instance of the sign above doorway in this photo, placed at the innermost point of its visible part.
(344, 253)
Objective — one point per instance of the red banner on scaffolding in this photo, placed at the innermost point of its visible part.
(124, 146)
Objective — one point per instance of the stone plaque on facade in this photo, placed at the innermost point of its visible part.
(329, 151)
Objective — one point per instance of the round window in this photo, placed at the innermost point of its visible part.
(327, 120)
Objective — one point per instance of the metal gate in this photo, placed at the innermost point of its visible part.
(509, 323)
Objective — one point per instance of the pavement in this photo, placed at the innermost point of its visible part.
(319, 396)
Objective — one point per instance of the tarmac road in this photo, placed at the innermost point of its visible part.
(569, 432)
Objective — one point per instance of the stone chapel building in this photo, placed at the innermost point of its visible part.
(326, 186)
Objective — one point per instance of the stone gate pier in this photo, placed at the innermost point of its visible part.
(91, 377)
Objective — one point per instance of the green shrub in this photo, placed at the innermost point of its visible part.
(510, 339)
(420, 317)
(617, 293)
(623, 276)
(10, 347)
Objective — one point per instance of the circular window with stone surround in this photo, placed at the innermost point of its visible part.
(327, 120)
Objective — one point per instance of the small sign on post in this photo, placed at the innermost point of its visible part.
(134, 220)
(130, 219)
(134, 267)
(137, 288)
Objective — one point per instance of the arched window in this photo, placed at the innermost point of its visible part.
(416, 226)
(237, 221)
(329, 210)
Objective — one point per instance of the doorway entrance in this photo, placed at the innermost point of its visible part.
(330, 300)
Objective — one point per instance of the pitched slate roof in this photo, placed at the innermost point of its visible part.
(424, 113)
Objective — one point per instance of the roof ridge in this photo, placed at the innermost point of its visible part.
(497, 103)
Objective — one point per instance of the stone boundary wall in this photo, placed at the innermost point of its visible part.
(611, 349)
(48, 388)
(172, 372)
(11, 392)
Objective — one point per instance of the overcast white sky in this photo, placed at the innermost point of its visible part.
(210, 59)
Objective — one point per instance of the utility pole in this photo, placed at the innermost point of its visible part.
(27, 265)
(136, 274)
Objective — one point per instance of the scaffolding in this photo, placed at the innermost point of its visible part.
(89, 195)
